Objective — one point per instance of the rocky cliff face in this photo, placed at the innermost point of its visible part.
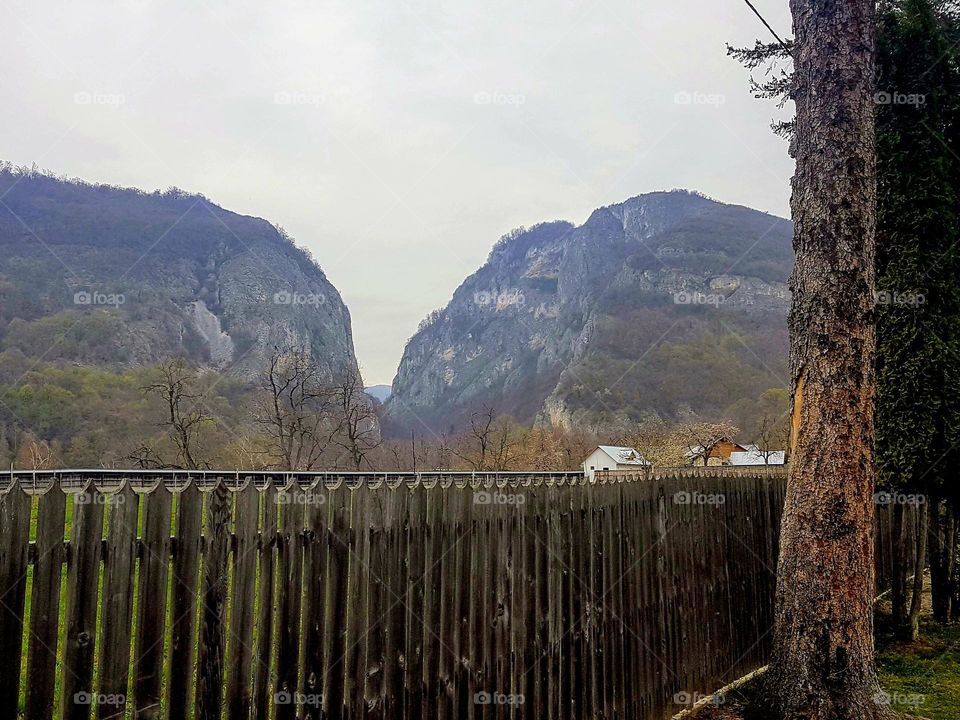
(663, 304)
(116, 277)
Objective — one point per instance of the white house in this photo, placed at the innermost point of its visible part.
(608, 457)
(753, 455)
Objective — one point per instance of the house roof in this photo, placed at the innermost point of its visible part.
(757, 457)
(623, 455)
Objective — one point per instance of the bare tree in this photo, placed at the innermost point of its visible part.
(183, 418)
(542, 449)
(356, 427)
(823, 662)
(773, 436)
(576, 446)
(146, 457)
(658, 443)
(404, 455)
(474, 445)
(36, 454)
(395, 456)
(703, 438)
(506, 439)
(490, 442)
(294, 409)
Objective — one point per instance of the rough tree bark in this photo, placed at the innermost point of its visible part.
(823, 662)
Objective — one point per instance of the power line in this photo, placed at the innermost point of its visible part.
(767, 25)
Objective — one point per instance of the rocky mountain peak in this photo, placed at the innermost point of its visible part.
(588, 321)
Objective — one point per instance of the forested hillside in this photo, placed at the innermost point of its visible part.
(101, 286)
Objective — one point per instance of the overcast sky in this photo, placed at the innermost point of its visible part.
(396, 140)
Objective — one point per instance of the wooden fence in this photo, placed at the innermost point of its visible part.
(521, 596)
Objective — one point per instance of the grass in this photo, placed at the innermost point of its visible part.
(923, 679)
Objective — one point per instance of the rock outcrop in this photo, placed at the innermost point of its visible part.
(661, 305)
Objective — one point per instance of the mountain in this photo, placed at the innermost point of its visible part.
(118, 278)
(380, 392)
(666, 304)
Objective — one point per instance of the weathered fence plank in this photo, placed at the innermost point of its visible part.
(289, 590)
(118, 575)
(15, 508)
(397, 582)
(185, 591)
(359, 578)
(429, 616)
(378, 519)
(266, 552)
(413, 604)
(152, 603)
(44, 603)
(315, 555)
(335, 617)
(83, 580)
(213, 604)
(242, 603)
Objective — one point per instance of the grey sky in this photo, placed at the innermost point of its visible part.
(395, 140)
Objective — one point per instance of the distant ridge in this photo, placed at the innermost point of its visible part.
(380, 392)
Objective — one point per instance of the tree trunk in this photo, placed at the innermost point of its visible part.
(950, 548)
(955, 608)
(941, 541)
(823, 661)
(920, 562)
(898, 589)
